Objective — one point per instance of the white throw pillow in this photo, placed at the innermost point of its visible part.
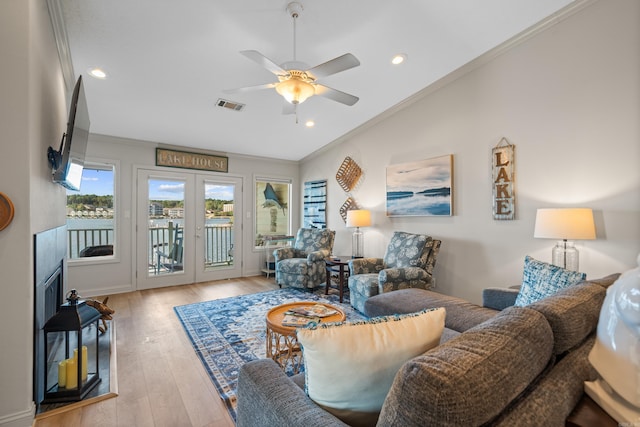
(349, 367)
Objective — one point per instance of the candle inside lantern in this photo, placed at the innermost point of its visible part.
(85, 360)
(72, 373)
(62, 373)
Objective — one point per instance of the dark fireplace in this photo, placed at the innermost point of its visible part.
(50, 248)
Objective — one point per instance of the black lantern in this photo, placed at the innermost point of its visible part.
(71, 366)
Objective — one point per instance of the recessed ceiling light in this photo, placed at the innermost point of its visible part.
(310, 123)
(399, 58)
(98, 73)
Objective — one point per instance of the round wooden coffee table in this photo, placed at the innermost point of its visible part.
(282, 344)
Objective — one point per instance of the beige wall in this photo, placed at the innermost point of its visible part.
(32, 117)
(104, 277)
(568, 98)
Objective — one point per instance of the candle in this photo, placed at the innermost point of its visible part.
(72, 373)
(62, 374)
(85, 360)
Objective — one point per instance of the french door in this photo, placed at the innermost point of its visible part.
(186, 228)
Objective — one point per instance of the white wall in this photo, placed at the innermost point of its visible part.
(32, 117)
(104, 278)
(568, 98)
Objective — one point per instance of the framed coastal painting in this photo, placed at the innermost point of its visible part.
(421, 188)
(315, 204)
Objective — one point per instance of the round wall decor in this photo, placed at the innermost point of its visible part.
(6, 211)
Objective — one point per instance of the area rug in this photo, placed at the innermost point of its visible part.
(230, 332)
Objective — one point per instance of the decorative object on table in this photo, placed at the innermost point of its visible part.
(315, 204)
(104, 310)
(503, 180)
(615, 355)
(69, 330)
(6, 211)
(348, 204)
(348, 174)
(229, 332)
(421, 188)
(358, 218)
(565, 224)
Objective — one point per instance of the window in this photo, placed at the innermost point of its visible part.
(272, 213)
(91, 214)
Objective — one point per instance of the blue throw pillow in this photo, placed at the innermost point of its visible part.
(541, 280)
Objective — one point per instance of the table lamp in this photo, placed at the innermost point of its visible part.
(358, 218)
(565, 224)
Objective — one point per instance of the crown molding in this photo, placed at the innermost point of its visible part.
(62, 43)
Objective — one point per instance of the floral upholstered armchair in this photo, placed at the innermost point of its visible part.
(303, 265)
(408, 263)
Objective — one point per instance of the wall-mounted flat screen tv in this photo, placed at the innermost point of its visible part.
(68, 162)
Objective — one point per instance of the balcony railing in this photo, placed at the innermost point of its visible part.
(218, 242)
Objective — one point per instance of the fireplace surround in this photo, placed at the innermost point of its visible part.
(50, 249)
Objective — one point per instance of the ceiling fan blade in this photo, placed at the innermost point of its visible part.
(265, 62)
(335, 65)
(250, 88)
(336, 95)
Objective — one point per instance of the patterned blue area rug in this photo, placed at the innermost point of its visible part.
(229, 332)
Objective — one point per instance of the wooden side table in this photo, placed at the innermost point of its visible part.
(338, 265)
(282, 344)
(588, 413)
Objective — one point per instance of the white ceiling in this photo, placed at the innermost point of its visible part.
(168, 62)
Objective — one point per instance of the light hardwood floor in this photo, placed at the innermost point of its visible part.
(161, 381)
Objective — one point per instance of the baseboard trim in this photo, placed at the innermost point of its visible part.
(19, 419)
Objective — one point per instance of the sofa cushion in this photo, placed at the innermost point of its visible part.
(541, 280)
(461, 314)
(573, 313)
(470, 379)
(405, 250)
(538, 407)
(349, 367)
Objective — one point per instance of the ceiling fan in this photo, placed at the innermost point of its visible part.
(296, 81)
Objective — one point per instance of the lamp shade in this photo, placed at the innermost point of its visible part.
(358, 218)
(565, 223)
(295, 90)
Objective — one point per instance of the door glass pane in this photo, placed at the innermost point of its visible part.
(218, 229)
(165, 226)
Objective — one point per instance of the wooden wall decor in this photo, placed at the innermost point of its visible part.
(348, 174)
(503, 180)
(347, 205)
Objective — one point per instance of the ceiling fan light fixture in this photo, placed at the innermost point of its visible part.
(295, 90)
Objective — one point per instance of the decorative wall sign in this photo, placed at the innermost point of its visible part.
(315, 204)
(347, 205)
(422, 188)
(503, 180)
(348, 174)
(188, 160)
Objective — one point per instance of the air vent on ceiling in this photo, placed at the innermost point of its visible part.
(230, 104)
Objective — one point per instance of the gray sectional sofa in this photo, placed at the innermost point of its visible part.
(496, 365)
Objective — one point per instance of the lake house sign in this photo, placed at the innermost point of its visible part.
(503, 182)
(187, 160)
